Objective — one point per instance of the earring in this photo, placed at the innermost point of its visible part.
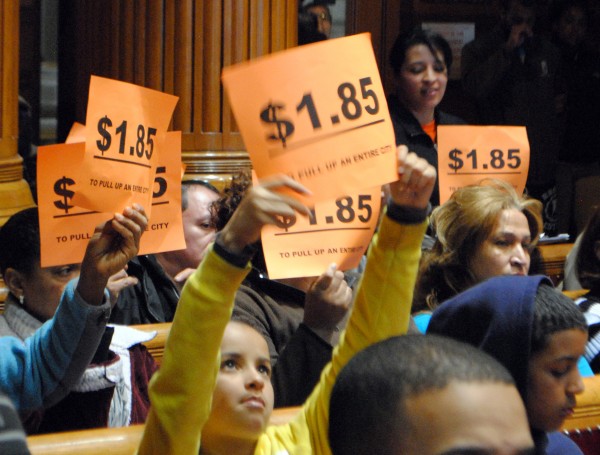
(21, 299)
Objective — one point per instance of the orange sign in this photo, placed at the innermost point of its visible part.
(337, 231)
(125, 131)
(317, 113)
(468, 154)
(165, 226)
(76, 134)
(65, 228)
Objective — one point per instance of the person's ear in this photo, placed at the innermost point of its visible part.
(14, 281)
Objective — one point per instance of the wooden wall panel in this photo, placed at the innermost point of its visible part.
(179, 47)
(15, 194)
(383, 21)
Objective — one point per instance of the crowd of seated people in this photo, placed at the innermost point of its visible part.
(182, 418)
(243, 392)
(241, 344)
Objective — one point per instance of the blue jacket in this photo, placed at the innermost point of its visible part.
(497, 316)
(41, 370)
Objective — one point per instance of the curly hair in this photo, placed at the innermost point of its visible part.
(460, 226)
(222, 209)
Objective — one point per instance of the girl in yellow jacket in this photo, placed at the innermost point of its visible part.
(212, 393)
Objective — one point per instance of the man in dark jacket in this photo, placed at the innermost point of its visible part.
(161, 276)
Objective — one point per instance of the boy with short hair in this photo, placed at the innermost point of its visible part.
(537, 333)
(418, 395)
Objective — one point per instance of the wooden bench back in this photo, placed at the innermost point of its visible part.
(113, 441)
(124, 441)
(553, 258)
(156, 346)
(587, 412)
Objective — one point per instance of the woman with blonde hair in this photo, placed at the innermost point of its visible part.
(482, 231)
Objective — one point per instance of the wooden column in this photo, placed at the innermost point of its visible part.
(15, 194)
(179, 47)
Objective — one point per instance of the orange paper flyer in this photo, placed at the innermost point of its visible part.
(165, 226)
(125, 131)
(468, 154)
(65, 228)
(337, 231)
(76, 134)
(317, 113)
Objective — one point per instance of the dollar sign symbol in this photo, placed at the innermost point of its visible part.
(104, 144)
(284, 127)
(457, 161)
(287, 222)
(60, 188)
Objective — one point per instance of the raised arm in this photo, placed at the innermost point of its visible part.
(383, 299)
(181, 391)
(41, 370)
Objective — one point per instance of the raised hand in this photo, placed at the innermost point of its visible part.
(262, 205)
(416, 179)
(113, 244)
(327, 303)
(118, 282)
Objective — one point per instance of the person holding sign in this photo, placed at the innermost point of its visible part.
(41, 370)
(112, 390)
(300, 318)
(421, 61)
(159, 277)
(225, 408)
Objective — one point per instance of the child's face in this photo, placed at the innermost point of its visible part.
(243, 397)
(554, 380)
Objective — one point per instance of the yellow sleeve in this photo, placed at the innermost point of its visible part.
(181, 390)
(381, 310)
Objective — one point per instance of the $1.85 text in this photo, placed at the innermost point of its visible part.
(498, 160)
(351, 109)
(145, 137)
(345, 213)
